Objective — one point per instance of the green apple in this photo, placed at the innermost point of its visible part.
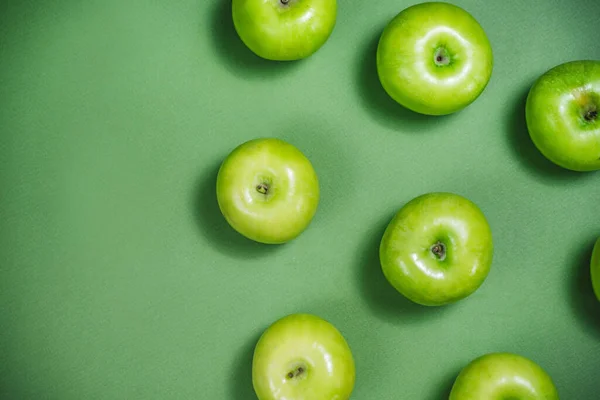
(284, 30)
(437, 249)
(268, 190)
(302, 357)
(595, 268)
(434, 58)
(503, 376)
(562, 113)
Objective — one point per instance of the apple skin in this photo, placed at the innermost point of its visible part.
(281, 170)
(595, 269)
(557, 106)
(411, 72)
(284, 30)
(407, 250)
(503, 376)
(302, 357)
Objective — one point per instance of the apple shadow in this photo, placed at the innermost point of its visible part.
(232, 51)
(241, 372)
(443, 390)
(379, 104)
(584, 302)
(213, 225)
(525, 149)
(12, 388)
(383, 299)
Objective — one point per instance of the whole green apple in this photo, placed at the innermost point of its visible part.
(503, 376)
(562, 115)
(434, 58)
(267, 190)
(302, 357)
(437, 249)
(284, 30)
(595, 268)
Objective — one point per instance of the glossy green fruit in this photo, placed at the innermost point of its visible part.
(595, 269)
(503, 376)
(268, 190)
(434, 58)
(437, 249)
(284, 30)
(302, 357)
(562, 112)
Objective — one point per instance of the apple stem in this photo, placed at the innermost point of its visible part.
(262, 188)
(439, 250)
(284, 2)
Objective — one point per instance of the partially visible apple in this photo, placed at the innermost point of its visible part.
(437, 249)
(268, 190)
(434, 58)
(595, 269)
(284, 30)
(503, 376)
(563, 115)
(302, 357)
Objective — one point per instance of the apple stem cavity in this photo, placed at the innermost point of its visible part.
(285, 2)
(262, 188)
(439, 251)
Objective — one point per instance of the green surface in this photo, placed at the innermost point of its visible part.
(120, 280)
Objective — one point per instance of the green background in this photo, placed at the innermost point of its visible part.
(119, 279)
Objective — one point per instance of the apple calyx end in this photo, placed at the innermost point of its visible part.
(591, 115)
(439, 251)
(262, 188)
(296, 373)
(441, 57)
